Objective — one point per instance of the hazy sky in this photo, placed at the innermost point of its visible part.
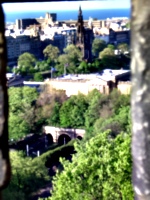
(72, 5)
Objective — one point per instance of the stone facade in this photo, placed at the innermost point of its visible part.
(21, 44)
(116, 37)
(57, 132)
(124, 87)
(73, 87)
(84, 38)
(24, 23)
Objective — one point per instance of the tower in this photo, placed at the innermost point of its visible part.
(80, 31)
(84, 38)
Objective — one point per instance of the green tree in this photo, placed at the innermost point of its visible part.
(17, 128)
(93, 111)
(48, 105)
(26, 64)
(106, 52)
(101, 169)
(98, 45)
(111, 46)
(128, 25)
(83, 67)
(27, 177)
(53, 119)
(118, 100)
(108, 58)
(71, 59)
(38, 77)
(43, 65)
(107, 112)
(62, 66)
(8, 69)
(21, 112)
(116, 124)
(51, 52)
(72, 112)
(123, 47)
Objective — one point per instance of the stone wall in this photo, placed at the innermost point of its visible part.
(74, 87)
(56, 132)
(124, 87)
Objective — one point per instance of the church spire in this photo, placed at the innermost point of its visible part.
(80, 22)
(80, 11)
(80, 31)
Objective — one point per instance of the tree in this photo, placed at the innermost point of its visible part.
(93, 111)
(54, 119)
(21, 116)
(101, 169)
(115, 123)
(98, 45)
(18, 128)
(48, 105)
(51, 52)
(43, 65)
(108, 58)
(27, 177)
(62, 66)
(38, 77)
(106, 52)
(8, 69)
(111, 46)
(26, 64)
(73, 52)
(83, 67)
(72, 112)
(123, 47)
(71, 58)
(128, 25)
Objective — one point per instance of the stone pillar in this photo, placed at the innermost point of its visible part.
(140, 99)
(4, 156)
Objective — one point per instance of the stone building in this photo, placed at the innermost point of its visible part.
(116, 37)
(21, 44)
(84, 38)
(70, 36)
(59, 40)
(24, 23)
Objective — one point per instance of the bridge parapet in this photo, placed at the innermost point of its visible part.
(56, 132)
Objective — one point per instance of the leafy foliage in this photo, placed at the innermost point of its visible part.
(48, 105)
(93, 111)
(83, 67)
(123, 47)
(21, 112)
(101, 169)
(26, 63)
(51, 52)
(72, 112)
(71, 59)
(43, 65)
(111, 46)
(27, 177)
(97, 46)
(106, 52)
(38, 77)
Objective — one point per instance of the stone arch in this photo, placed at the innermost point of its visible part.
(49, 138)
(63, 139)
(79, 137)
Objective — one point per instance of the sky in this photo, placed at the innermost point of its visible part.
(72, 5)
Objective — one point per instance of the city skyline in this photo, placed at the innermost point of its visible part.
(65, 5)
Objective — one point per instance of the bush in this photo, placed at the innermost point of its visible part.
(101, 169)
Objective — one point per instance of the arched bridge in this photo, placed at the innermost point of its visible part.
(63, 135)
